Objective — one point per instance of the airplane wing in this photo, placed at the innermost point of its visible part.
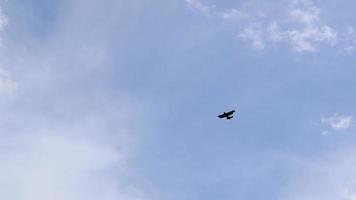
(227, 114)
(230, 113)
(222, 115)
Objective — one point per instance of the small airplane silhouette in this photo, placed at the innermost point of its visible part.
(228, 115)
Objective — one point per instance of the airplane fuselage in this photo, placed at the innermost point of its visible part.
(227, 115)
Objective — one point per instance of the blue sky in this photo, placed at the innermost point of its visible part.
(118, 99)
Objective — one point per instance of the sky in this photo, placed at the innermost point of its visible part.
(117, 100)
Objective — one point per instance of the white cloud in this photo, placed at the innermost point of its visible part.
(254, 33)
(229, 14)
(66, 135)
(61, 165)
(330, 177)
(302, 29)
(349, 195)
(299, 25)
(197, 5)
(304, 12)
(350, 39)
(307, 39)
(304, 40)
(7, 84)
(313, 31)
(337, 122)
(3, 20)
(274, 32)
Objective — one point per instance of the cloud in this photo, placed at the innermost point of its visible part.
(328, 177)
(3, 23)
(350, 39)
(313, 31)
(337, 122)
(299, 25)
(275, 33)
(61, 166)
(7, 84)
(3, 20)
(66, 135)
(349, 195)
(303, 30)
(254, 33)
(228, 14)
(199, 6)
(307, 39)
(305, 12)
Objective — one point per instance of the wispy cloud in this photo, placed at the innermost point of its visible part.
(349, 195)
(3, 23)
(350, 39)
(7, 84)
(63, 137)
(313, 31)
(231, 14)
(299, 25)
(210, 10)
(307, 39)
(330, 177)
(303, 29)
(199, 6)
(3, 20)
(337, 122)
(304, 11)
(54, 165)
(254, 33)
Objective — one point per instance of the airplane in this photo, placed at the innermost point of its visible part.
(228, 115)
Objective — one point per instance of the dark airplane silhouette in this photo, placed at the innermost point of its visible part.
(228, 115)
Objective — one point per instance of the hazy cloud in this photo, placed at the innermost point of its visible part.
(3, 20)
(7, 84)
(330, 177)
(307, 40)
(299, 25)
(60, 166)
(303, 30)
(254, 34)
(231, 14)
(304, 11)
(199, 6)
(64, 136)
(313, 31)
(349, 195)
(337, 122)
(350, 39)
(228, 14)
(275, 33)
